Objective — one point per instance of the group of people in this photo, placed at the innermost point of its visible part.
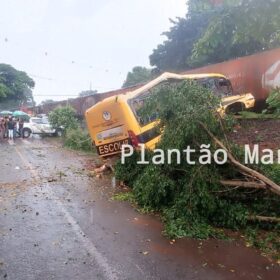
(10, 127)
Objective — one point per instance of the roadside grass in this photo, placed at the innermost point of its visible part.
(129, 196)
(78, 139)
(267, 242)
(251, 115)
(125, 196)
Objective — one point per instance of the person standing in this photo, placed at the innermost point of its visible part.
(2, 129)
(16, 121)
(20, 126)
(11, 126)
(6, 119)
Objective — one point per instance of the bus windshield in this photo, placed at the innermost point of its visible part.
(219, 86)
(137, 104)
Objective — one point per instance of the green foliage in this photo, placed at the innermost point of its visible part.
(174, 54)
(211, 33)
(130, 170)
(124, 196)
(77, 139)
(268, 242)
(192, 102)
(137, 76)
(47, 101)
(190, 197)
(273, 101)
(243, 28)
(264, 115)
(153, 189)
(63, 117)
(272, 171)
(15, 85)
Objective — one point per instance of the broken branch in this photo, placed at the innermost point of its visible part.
(243, 184)
(264, 219)
(269, 183)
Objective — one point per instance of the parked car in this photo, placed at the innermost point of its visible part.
(40, 126)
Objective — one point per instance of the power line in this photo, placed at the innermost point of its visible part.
(66, 81)
(46, 54)
(65, 95)
(54, 95)
(73, 62)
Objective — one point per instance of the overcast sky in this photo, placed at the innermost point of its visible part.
(66, 45)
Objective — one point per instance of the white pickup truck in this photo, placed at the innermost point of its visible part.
(39, 126)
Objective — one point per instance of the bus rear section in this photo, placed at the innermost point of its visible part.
(108, 124)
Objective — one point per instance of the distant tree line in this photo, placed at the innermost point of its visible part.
(214, 31)
(15, 86)
(137, 76)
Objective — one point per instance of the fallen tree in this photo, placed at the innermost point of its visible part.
(197, 199)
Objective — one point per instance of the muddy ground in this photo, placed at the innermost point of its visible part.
(56, 222)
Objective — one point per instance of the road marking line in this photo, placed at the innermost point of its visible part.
(27, 164)
(109, 273)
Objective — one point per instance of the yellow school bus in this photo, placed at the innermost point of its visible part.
(115, 120)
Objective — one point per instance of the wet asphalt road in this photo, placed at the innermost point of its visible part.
(58, 223)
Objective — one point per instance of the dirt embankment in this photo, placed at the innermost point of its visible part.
(265, 133)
